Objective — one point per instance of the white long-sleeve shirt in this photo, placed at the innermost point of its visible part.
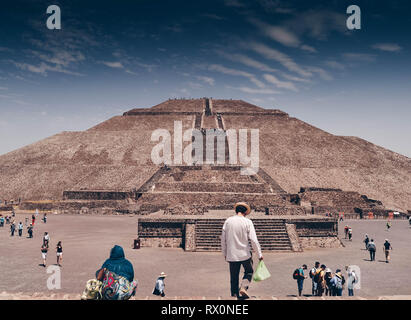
(237, 231)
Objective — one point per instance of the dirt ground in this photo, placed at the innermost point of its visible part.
(87, 241)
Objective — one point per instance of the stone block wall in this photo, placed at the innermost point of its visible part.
(95, 195)
(212, 199)
(158, 233)
(239, 187)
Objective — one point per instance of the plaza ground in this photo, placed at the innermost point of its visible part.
(87, 241)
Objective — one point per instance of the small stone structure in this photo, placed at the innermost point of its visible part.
(204, 233)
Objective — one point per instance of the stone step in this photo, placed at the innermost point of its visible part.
(265, 249)
(267, 237)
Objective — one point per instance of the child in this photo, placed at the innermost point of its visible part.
(159, 287)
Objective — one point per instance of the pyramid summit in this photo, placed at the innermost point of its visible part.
(112, 162)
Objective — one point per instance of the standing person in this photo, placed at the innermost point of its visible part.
(59, 251)
(338, 282)
(350, 233)
(321, 281)
(26, 221)
(329, 289)
(316, 269)
(388, 225)
(366, 241)
(352, 279)
(160, 285)
(300, 277)
(44, 250)
(20, 228)
(1, 221)
(387, 247)
(46, 239)
(237, 232)
(45, 218)
(30, 230)
(12, 229)
(33, 219)
(372, 248)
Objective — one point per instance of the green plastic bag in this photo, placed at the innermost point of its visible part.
(261, 273)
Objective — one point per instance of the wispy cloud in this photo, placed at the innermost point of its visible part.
(321, 72)
(277, 33)
(43, 68)
(308, 48)
(334, 64)
(255, 90)
(283, 59)
(390, 47)
(113, 64)
(235, 72)
(247, 61)
(207, 80)
(278, 83)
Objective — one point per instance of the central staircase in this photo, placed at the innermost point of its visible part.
(271, 233)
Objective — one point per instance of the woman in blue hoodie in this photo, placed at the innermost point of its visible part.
(117, 275)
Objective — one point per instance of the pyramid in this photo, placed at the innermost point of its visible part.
(112, 161)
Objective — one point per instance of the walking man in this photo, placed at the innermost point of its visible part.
(366, 241)
(387, 248)
(20, 228)
(30, 230)
(371, 248)
(237, 232)
(12, 229)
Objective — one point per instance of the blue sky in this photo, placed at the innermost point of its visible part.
(112, 56)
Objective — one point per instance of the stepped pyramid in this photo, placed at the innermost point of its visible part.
(112, 161)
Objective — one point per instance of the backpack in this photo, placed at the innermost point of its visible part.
(339, 283)
(312, 273)
(371, 247)
(296, 274)
(317, 276)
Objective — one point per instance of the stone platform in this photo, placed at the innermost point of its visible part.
(203, 233)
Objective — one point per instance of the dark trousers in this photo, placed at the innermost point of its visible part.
(372, 255)
(338, 292)
(20, 232)
(350, 292)
(300, 285)
(235, 273)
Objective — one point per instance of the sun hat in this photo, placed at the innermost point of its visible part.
(243, 204)
(162, 275)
